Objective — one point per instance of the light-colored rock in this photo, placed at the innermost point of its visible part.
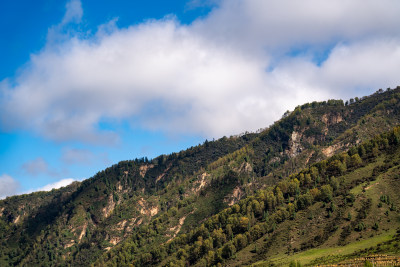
(331, 150)
(245, 167)
(108, 209)
(178, 227)
(295, 147)
(144, 168)
(17, 219)
(70, 244)
(115, 240)
(236, 195)
(148, 211)
(154, 211)
(83, 232)
(163, 174)
(200, 183)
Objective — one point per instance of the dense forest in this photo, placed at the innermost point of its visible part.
(326, 175)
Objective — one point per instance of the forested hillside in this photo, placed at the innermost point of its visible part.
(324, 175)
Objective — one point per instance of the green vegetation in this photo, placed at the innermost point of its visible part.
(331, 254)
(317, 180)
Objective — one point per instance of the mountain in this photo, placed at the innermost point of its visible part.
(324, 175)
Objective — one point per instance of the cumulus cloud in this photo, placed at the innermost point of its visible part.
(232, 71)
(51, 186)
(8, 186)
(287, 24)
(56, 185)
(74, 12)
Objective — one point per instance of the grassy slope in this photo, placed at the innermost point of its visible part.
(311, 255)
(302, 228)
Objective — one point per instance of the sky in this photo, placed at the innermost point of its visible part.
(87, 83)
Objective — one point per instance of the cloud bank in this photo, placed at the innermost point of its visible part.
(8, 186)
(56, 185)
(237, 69)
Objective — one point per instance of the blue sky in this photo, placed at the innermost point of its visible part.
(85, 83)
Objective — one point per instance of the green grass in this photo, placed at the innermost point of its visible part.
(308, 256)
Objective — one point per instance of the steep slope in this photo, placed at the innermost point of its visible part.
(49, 227)
(137, 205)
(349, 197)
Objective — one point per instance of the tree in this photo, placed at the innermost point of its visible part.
(279, 196)
(355, 160)
(304, 201)
(349, 216)
(315, 193)
(337, 167)
(240, 241)
(256, 232)
(228, 250)
(334, 182)
(270, 201)
(326, 193)
(361, 151)
(294, 264)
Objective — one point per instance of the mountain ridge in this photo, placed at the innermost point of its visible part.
(77, 224)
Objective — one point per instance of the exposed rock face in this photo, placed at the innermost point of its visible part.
(331, 150)
(83, 232)
(237, 194)
(163, 174)
(121, 225)
(119, 187)
(201, 182)
(154, 211)
(148, 211)
(295, 147)
(107, 210)
(17, 219)
(115, 240)
(309, 157)
(330, 119)
(70, 244)
(178, 227)
(274, 159)
(245, 168)
(143, 169)
(297, 137)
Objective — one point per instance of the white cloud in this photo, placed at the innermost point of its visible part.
(51, 186)
(8, 186)
(281, 25)
(74, 12)
(56, 185)
(227, 73)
